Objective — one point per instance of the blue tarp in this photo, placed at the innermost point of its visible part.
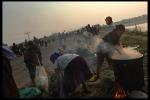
(8, 53)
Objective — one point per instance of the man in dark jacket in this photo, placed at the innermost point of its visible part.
(32, 58)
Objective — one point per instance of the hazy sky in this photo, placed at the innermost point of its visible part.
(42, 18)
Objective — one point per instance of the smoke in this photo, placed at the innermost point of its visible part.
(96, 40)
(126, 53)
(115, 52)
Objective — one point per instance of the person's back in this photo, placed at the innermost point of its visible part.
(15, 48)
(30, 57)
(65, 59)
(72, 70)
(31, 60)
(113, 37)
(9, 87)
(32, 53)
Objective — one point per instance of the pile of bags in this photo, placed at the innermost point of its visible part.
(30, 92)
(41, 82)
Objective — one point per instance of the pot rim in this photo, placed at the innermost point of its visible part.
(128, 59)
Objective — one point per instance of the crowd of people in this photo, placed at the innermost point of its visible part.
(20, 48)
(71, 68)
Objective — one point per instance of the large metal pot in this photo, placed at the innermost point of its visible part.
(129, 72)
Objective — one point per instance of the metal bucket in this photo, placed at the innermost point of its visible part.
(129, 72)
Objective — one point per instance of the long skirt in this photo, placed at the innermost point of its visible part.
(75, 73)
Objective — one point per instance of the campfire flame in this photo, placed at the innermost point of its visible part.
(120, 93)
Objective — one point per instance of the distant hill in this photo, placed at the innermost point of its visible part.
(132, 21)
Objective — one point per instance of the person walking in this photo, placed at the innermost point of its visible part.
(32, 57)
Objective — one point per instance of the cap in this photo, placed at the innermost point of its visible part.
(54, 56)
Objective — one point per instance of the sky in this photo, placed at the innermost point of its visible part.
(44, 18)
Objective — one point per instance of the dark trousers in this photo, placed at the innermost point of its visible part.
(32, 69)
(100, 60)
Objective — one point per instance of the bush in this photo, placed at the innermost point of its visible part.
(130, 41)
(134, 40)
(137, 33)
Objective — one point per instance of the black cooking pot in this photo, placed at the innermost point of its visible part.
(129, 72)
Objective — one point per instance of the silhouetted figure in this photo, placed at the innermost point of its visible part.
(31, 57)
(15, 49)
(9, 88)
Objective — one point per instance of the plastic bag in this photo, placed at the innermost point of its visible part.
(29, 92)
(109, 74)
(41, 79)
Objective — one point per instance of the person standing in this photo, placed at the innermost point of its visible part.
(15, 49)
(110, 25)
(109, 43)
